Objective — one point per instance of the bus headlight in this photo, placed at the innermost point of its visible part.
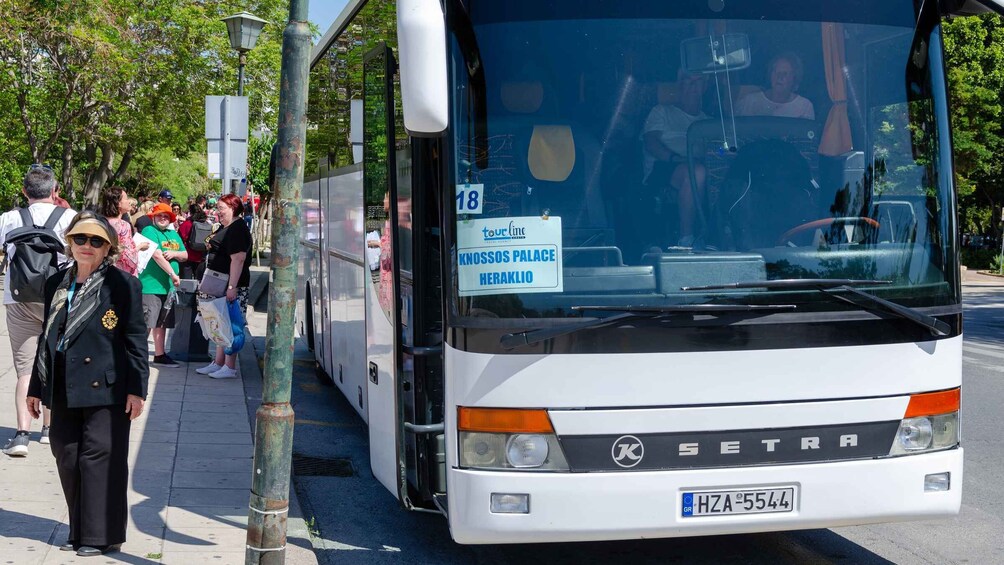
(931, 423)
(480, 450)
(500, 438)
(526, 450)
(915, 434)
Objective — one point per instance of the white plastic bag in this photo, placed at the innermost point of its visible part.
(215, 321)
(143, 257)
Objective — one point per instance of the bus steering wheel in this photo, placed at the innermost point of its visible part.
(827, 223)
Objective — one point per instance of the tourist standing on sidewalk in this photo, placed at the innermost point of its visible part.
(91, 371)
(228, 253)
(195, 232)
(160, 279)
(114, 203)
(141, 219)
(24, 319)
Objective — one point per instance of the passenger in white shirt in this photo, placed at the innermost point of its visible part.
(664, 138)
(24, 319)
(780, 100)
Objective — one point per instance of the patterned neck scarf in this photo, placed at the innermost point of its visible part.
(73, 320)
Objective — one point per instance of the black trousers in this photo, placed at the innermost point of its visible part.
(91, 446)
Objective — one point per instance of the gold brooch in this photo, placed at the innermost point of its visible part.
(109, 320)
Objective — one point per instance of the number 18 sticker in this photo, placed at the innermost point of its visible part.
(469, 198)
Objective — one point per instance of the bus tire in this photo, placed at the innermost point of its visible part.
(308, 314)
(322, 376)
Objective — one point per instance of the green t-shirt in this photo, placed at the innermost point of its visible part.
(153, 278)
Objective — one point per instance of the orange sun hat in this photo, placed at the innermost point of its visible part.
(162, 208)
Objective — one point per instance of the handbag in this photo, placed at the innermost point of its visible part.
(214, 283)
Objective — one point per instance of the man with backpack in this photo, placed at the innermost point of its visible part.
(34, 245)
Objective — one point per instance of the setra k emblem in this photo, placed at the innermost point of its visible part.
(110, 320)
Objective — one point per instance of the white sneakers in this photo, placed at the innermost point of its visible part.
(217, 372)
(210, 368)
(223, 373)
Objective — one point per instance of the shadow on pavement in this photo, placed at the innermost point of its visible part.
(28, 527)
(356, 520)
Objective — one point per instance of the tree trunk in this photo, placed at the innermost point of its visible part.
(99, 175)
(123, 165)
(66, 183)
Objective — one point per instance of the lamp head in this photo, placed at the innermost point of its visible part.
(243, 29)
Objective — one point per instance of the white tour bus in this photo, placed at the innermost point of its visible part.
(595, 270)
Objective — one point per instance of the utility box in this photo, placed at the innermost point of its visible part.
(187, 341)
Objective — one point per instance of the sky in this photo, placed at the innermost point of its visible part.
(324, 12)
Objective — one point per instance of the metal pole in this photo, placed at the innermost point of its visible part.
(1000, 268)
(242, 60)
(269, 504)
(225, 166)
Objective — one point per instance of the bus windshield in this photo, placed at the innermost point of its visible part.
(650, 154)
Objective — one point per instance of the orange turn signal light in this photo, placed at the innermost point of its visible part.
(933, 403)
(503, 420)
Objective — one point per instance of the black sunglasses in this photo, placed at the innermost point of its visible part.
(96, 242)
(44, 167)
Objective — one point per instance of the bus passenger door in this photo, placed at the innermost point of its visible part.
(383, 305)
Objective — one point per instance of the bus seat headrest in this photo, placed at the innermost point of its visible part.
(522, 97)
(551, 156)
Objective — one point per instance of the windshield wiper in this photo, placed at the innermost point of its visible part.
(831, 287)
(530, 337)
(935, 326)
(790, 284)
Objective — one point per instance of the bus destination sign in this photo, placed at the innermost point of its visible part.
(509, 255)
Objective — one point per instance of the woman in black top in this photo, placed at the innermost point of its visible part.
(228, 253)
(91, 371)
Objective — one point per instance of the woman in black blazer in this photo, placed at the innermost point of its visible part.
(91, 371)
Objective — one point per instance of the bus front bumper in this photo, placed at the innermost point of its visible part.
(632, 505)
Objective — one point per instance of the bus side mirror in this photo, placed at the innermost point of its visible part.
(421, 42)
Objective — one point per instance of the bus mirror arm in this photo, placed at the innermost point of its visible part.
(424, 428)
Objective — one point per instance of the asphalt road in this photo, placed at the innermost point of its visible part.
(356, 520)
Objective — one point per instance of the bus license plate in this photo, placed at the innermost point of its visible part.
(754, 501)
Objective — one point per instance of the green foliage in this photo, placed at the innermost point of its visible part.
(259, 154)
(162, 170)
(997, 264)
(978, 258)
(119, 81)
(974, 51)
(11, 179)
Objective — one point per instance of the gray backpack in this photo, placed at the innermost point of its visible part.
(36, 256)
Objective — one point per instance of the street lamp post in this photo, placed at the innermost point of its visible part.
(243, 29)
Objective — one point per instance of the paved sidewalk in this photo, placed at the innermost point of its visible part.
(190, 476)
(972, 277)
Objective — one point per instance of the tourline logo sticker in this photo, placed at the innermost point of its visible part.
(511, 232)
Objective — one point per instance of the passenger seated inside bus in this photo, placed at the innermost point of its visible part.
(781, 99)
(666, 174)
